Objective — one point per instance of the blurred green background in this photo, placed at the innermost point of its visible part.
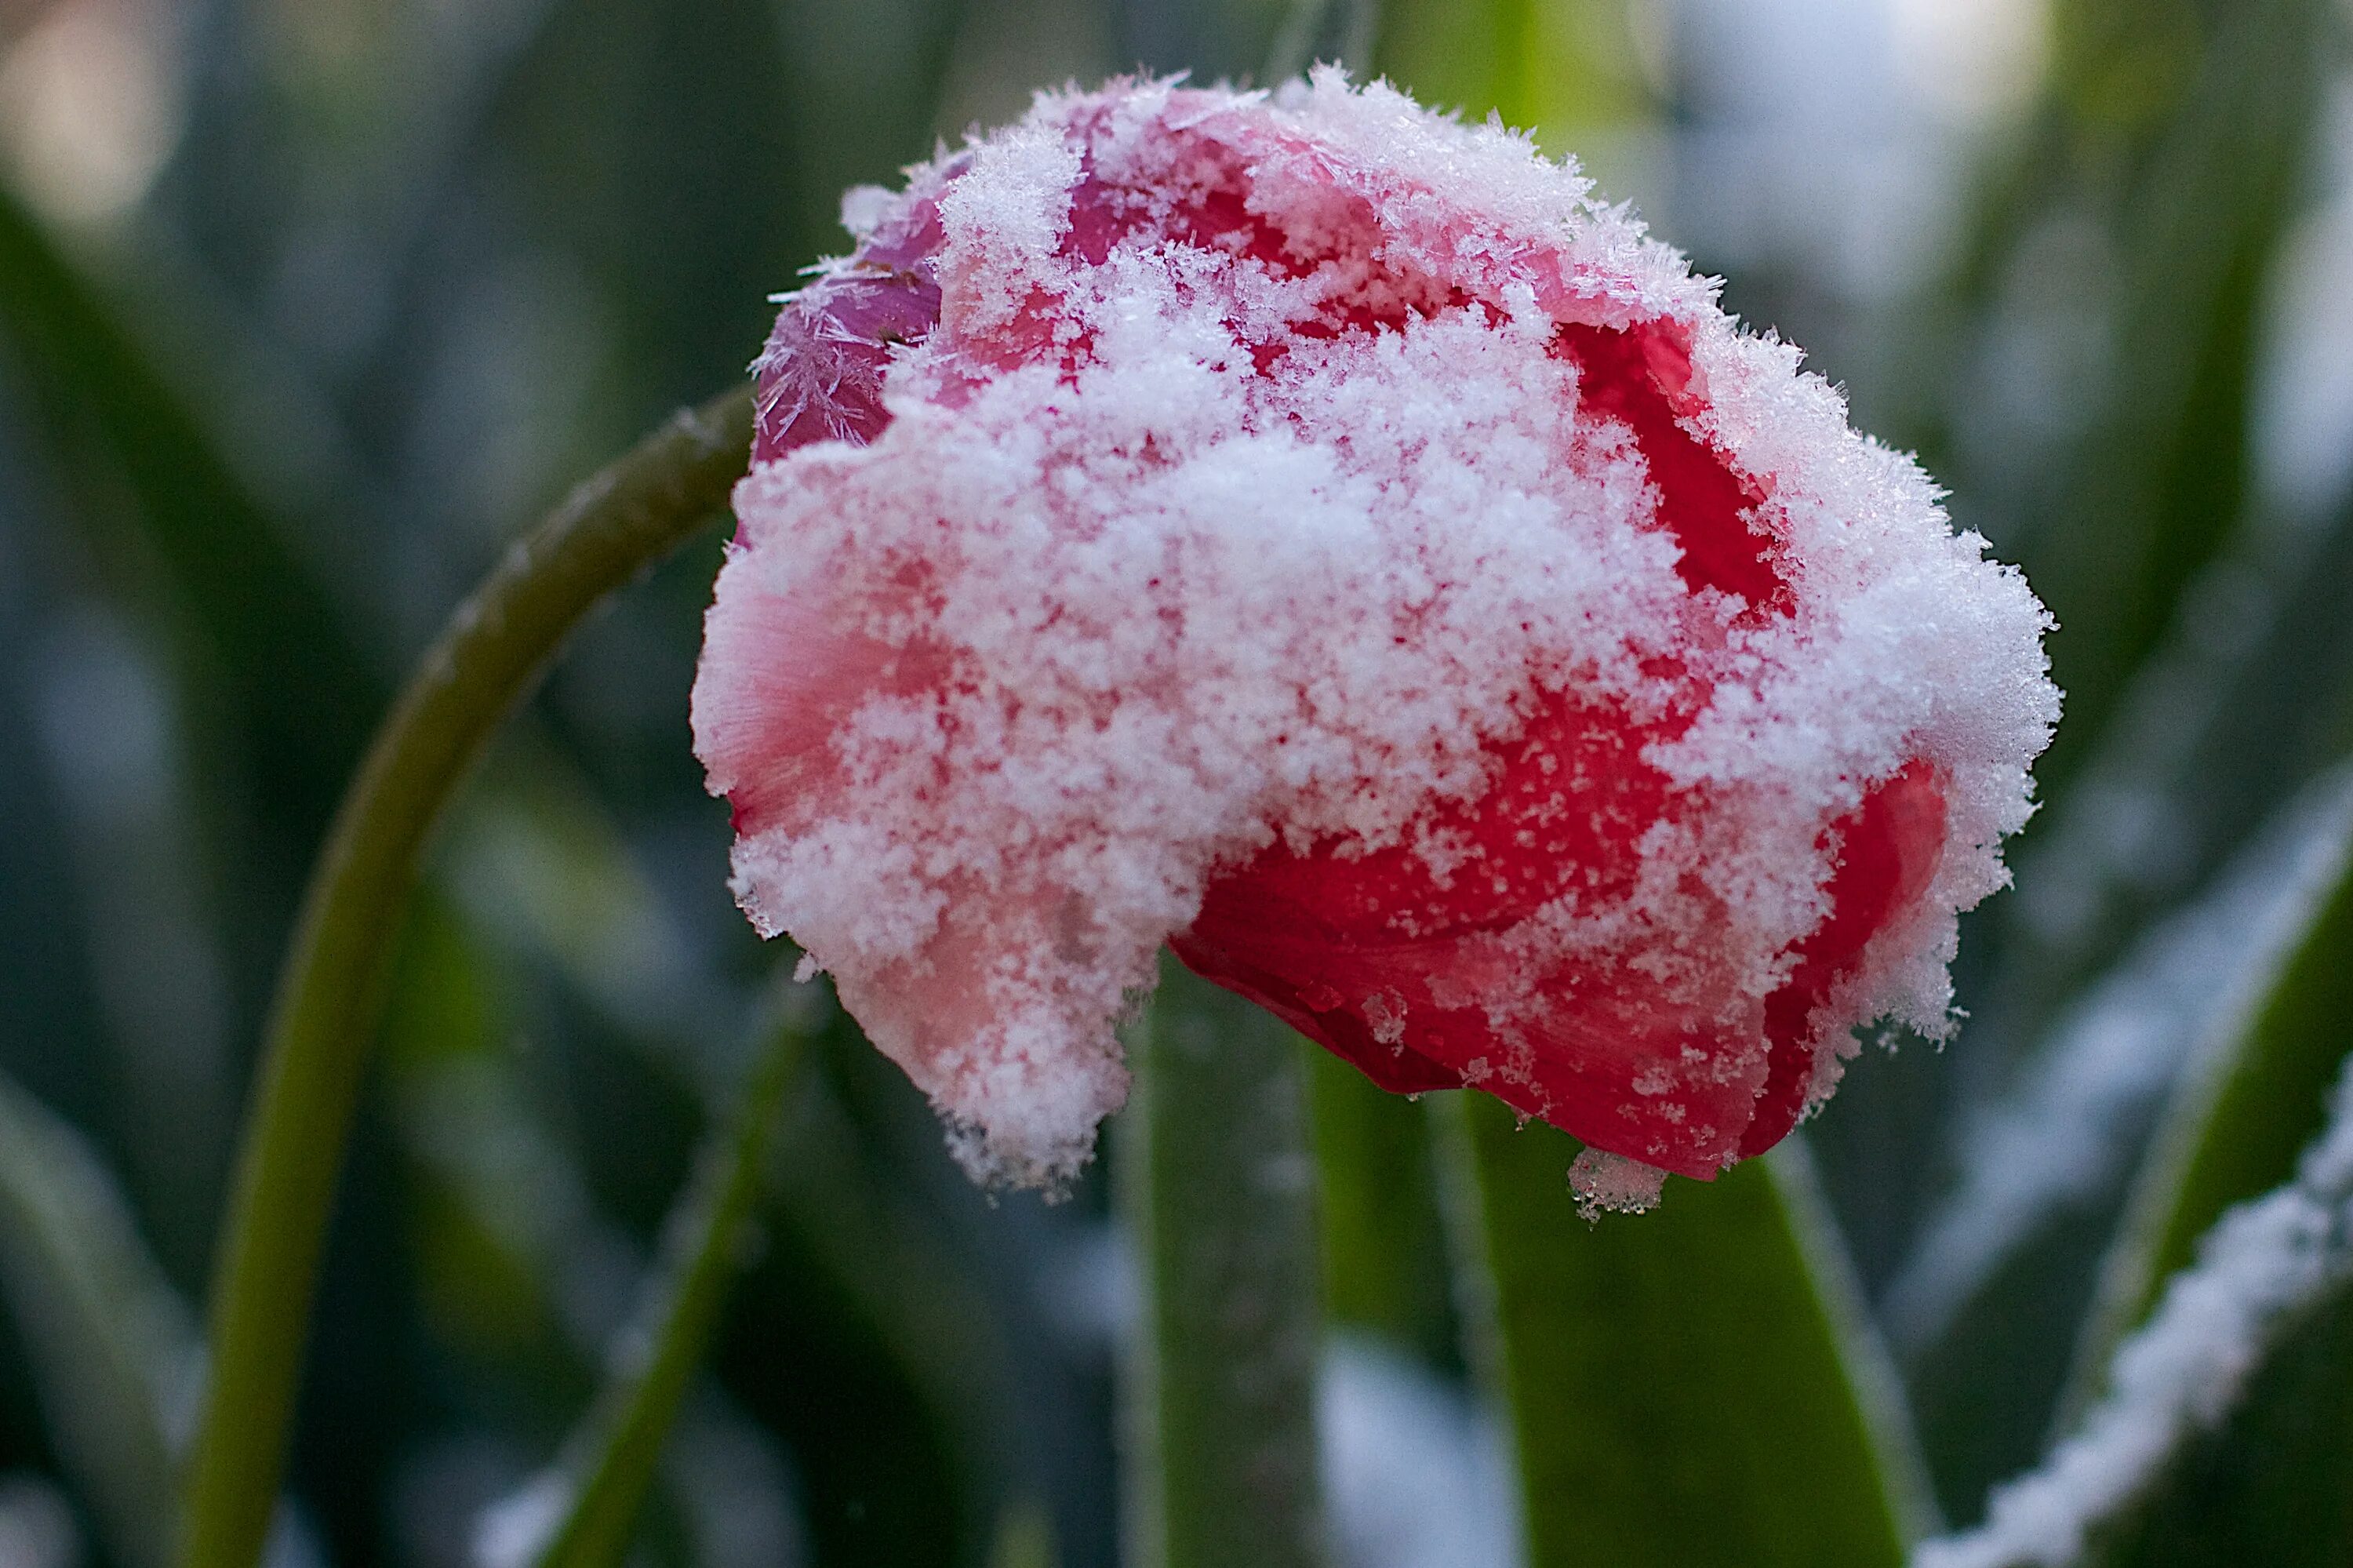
(306, 306)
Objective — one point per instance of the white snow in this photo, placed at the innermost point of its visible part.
(1417, 1473)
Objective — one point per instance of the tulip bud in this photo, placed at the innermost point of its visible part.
(1321, 538)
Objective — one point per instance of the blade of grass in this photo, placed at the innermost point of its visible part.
(2226, 738)
(1563, 70)
(112, 1345)
(2108, 318)
(1383, 1233)
(1691, 1385)
(612, 1462)
(1025, 1538)
(2172, 143)
(518, 1261)
(2149, 1475)
(2270, 1483)
(2232, 1133)
(2009, 1266)
(2097, 432)
(306, 687)
(2131, 238)
(495, 647)
(857, 1230)
(862, 1240)
(1314, 31)
(2234, 1129)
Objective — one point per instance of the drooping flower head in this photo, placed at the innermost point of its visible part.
(1319, 536)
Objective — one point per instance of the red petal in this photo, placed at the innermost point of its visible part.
(1322, 941)
(1642, 375)
(1889, 849)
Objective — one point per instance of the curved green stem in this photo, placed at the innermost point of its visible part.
(612, 527)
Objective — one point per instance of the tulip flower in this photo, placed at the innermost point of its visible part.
(1325, 539)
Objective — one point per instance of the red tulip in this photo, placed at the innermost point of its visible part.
(1318, 536)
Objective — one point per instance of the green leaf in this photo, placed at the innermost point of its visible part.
(2226, 1408)
(1315, 31)
(1691, 1385)
(505, 1224)
(2154, 191)
(2011, 1262)
(612, 1465)
(1562, 68)
(148, 467)
(2271, 1483)
(2097, 401)
(1219, 1187)
(514, 1249)
(863, 1257)
(1025, 1538)
(2235, 1127)
(1383, 1233)
(111, 1344)
(871, 1275)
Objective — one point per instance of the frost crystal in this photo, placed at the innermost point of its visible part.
(1320, 537)
(1611, 1183)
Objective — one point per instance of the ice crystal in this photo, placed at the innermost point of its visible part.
(1611, 1183)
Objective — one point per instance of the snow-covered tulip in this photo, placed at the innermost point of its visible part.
(1321, 537)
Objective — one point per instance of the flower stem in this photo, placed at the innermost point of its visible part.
(331, 990)
(1220, 1190)
(612, 1464)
